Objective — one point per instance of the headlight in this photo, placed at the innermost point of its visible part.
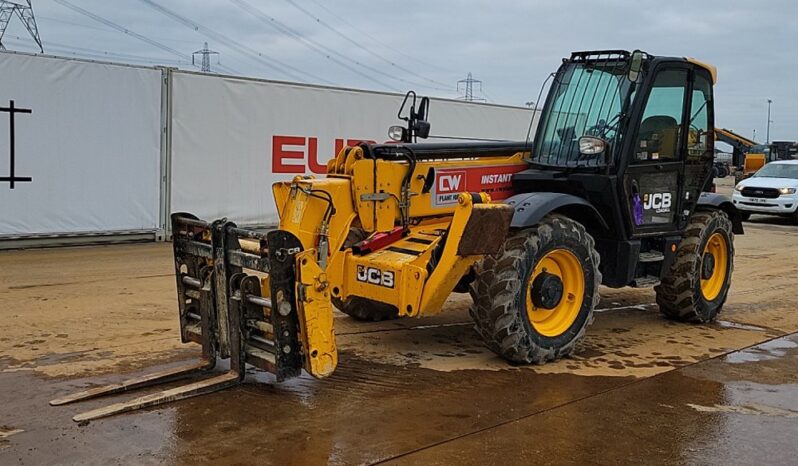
(589, 145)
(787, 190)
(738, 188)
(397, 133)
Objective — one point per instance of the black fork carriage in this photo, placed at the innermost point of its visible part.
(248, 318)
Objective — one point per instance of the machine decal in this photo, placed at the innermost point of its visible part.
(494, 180)
(660, 202)
(375, 276)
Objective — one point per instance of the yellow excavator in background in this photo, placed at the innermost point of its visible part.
(748, 156)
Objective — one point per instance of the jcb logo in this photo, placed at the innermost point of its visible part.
(450, 182)
(375, 276)
(661, 202)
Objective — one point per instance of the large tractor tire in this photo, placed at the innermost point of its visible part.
(534, 300)
(366, 309)
(697, 283)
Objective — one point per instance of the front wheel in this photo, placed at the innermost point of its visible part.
(696, 286)
(534, 300)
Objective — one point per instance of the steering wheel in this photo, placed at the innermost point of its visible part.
(603, 127)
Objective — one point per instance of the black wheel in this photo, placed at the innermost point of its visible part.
(366, 309)
(697, 284)
(744, 216)
(534, 300)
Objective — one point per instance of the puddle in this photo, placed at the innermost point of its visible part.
(767, 351)
(752, 410)
(728, 324)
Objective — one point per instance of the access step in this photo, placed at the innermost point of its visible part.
(651, 256)
(645, 282)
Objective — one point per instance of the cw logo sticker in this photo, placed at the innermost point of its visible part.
(450, 182)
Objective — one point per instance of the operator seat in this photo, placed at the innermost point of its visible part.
(661, 136)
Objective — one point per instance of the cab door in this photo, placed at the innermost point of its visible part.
(654, 175)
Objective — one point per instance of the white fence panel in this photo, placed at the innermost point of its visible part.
(232, 138)
(91, 146)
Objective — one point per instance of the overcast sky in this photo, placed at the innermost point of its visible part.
(510, 46)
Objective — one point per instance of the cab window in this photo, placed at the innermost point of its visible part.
(661, 126)
(698, 136)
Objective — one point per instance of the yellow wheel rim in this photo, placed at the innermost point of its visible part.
(714, 263)
(557, 320)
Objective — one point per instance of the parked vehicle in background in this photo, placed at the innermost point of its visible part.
(772, 190)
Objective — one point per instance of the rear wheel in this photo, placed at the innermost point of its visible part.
(697, 284)
(535, 298)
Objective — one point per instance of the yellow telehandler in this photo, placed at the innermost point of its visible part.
(611, 191)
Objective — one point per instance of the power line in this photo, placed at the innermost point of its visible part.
(260, 57)
(206, 58)
(128, 32)
(366, 49)
(468, 88)
(104, 53)
(123, 29)
(366, 34)
(25, 14)
(81, 52)
(101, 28)
(326, 52)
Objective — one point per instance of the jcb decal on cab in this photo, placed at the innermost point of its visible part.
(494, 180)
(375, 276)
(659, 202)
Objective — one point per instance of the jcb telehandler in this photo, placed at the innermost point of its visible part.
(611, 191)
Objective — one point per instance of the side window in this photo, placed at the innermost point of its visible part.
(661, 126)
(698, 136)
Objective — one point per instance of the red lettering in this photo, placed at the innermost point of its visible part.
(313, 157)
(280, 155)
(339, 144)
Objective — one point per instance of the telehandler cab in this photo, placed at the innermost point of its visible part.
(611, 191)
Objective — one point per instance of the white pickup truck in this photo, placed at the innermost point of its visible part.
(773, 190)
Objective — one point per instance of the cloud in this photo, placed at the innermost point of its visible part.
(511, 46)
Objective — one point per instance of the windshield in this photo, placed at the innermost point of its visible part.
(586, 98)
(759, 149)
(778, 170)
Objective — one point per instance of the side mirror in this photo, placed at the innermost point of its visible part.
(590, 145)
(423, 109)
(417, 124)
(421, 129)
(635, 65)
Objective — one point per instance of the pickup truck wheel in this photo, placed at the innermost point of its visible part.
(366, 309)
(698, 281)
(534, 300)
(744, 216)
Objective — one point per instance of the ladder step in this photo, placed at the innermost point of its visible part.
(651, 256)
(645, 282)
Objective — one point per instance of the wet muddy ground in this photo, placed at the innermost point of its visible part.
(643, 389)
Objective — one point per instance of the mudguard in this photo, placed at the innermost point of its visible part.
(530, 208)
(719, 201)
